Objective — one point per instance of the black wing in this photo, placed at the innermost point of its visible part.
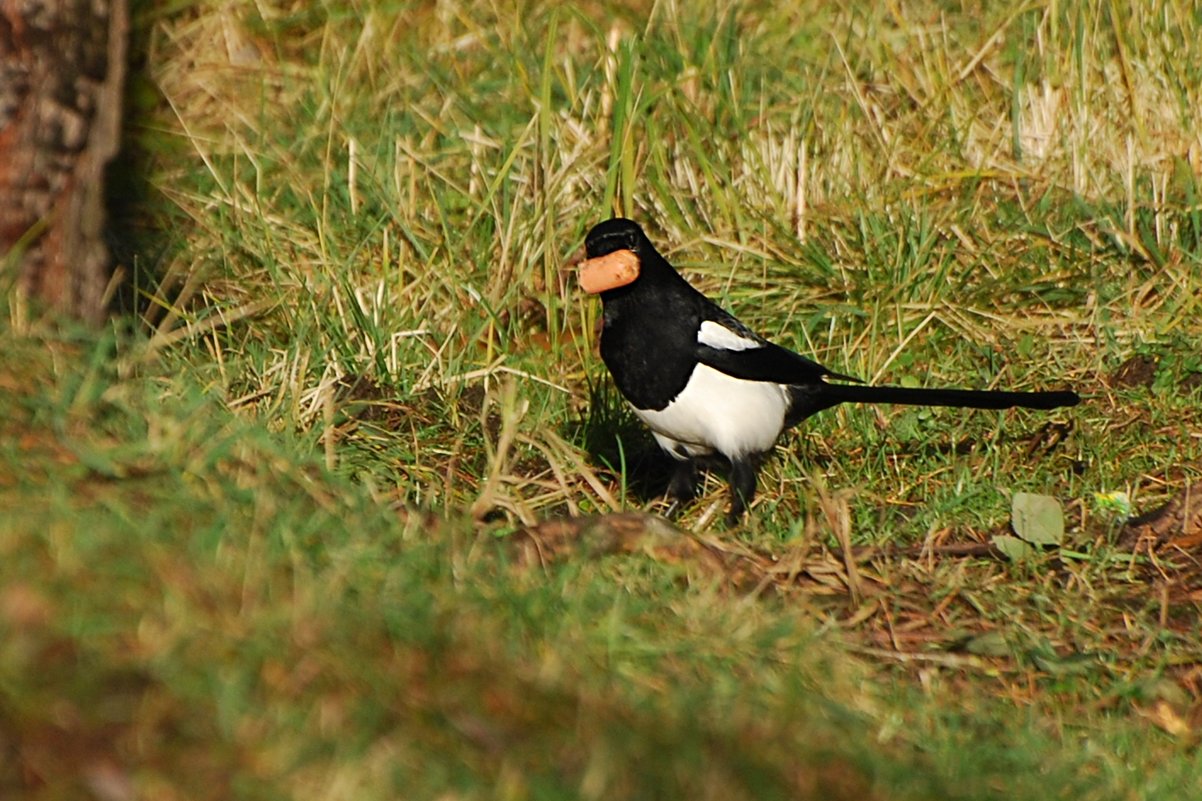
(765, 362)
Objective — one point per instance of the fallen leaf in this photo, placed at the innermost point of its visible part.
(1013, 548)
(1037, 519)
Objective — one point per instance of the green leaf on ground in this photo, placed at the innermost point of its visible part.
(1014, 548)
(1037, 519)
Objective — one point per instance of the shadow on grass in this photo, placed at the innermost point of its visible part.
(616, 440)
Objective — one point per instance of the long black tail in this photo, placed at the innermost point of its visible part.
(832, 394)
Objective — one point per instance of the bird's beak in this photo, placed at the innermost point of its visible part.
(609, 271)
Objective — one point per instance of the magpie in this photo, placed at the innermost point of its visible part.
(706, 385)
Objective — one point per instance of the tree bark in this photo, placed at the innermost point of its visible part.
(62, 69)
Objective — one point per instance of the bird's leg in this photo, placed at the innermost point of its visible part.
(682, 487)
(742, 487)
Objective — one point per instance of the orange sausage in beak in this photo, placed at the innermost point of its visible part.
(609, 271)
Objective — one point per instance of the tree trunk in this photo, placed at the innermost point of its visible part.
(62, 68)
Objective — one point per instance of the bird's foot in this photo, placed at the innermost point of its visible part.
(682, 487)
(742, 488)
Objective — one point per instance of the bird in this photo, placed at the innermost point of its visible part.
(709, 388)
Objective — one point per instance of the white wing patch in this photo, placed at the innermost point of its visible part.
(719, 337)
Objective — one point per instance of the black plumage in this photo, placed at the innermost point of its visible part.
(706, 384)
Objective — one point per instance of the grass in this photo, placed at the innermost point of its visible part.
(269, 533)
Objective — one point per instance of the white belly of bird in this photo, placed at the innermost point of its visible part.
(715, 412)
